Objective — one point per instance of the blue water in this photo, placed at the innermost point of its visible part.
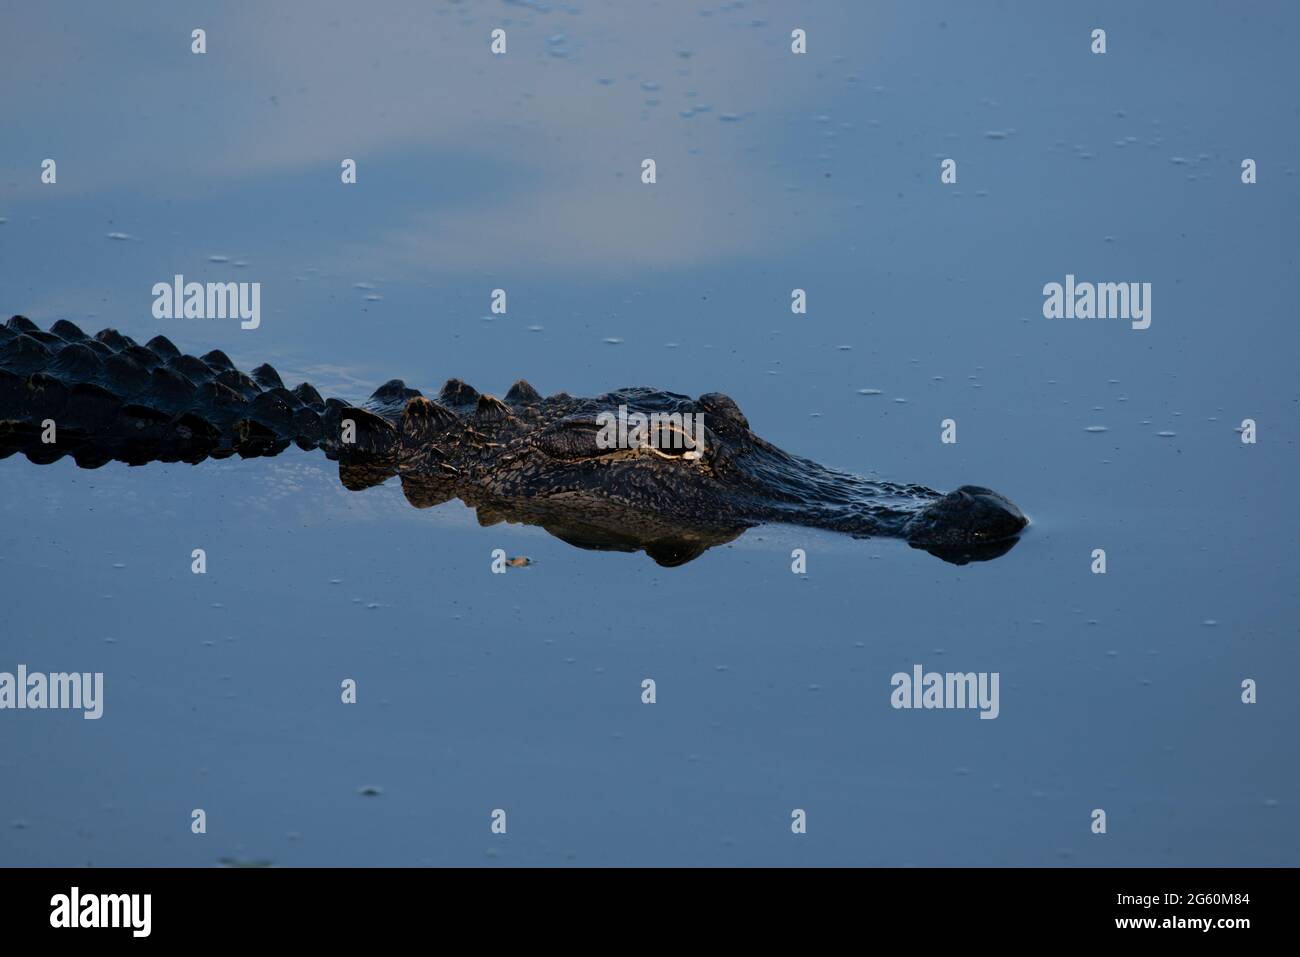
(522, 691)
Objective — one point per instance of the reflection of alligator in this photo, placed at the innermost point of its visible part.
(527, 458)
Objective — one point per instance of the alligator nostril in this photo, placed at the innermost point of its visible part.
(970, 513)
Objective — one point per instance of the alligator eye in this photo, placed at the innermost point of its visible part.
(674, 442)
(585, 437)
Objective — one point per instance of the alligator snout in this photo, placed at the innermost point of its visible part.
(969, 515)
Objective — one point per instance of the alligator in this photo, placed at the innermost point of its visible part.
(522, 458)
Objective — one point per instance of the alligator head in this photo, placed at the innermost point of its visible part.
(692, 464)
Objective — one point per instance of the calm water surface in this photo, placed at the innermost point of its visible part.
(522, 691)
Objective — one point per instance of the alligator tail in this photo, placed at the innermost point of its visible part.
(106, 398)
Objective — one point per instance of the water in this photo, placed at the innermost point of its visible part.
(522, 691)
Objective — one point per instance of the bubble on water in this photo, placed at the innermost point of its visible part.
(1166, 434)
(869, 392)
(1096, 428)
(120, 236)
(535, 328)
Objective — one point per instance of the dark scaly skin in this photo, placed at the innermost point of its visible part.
(525, 458)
